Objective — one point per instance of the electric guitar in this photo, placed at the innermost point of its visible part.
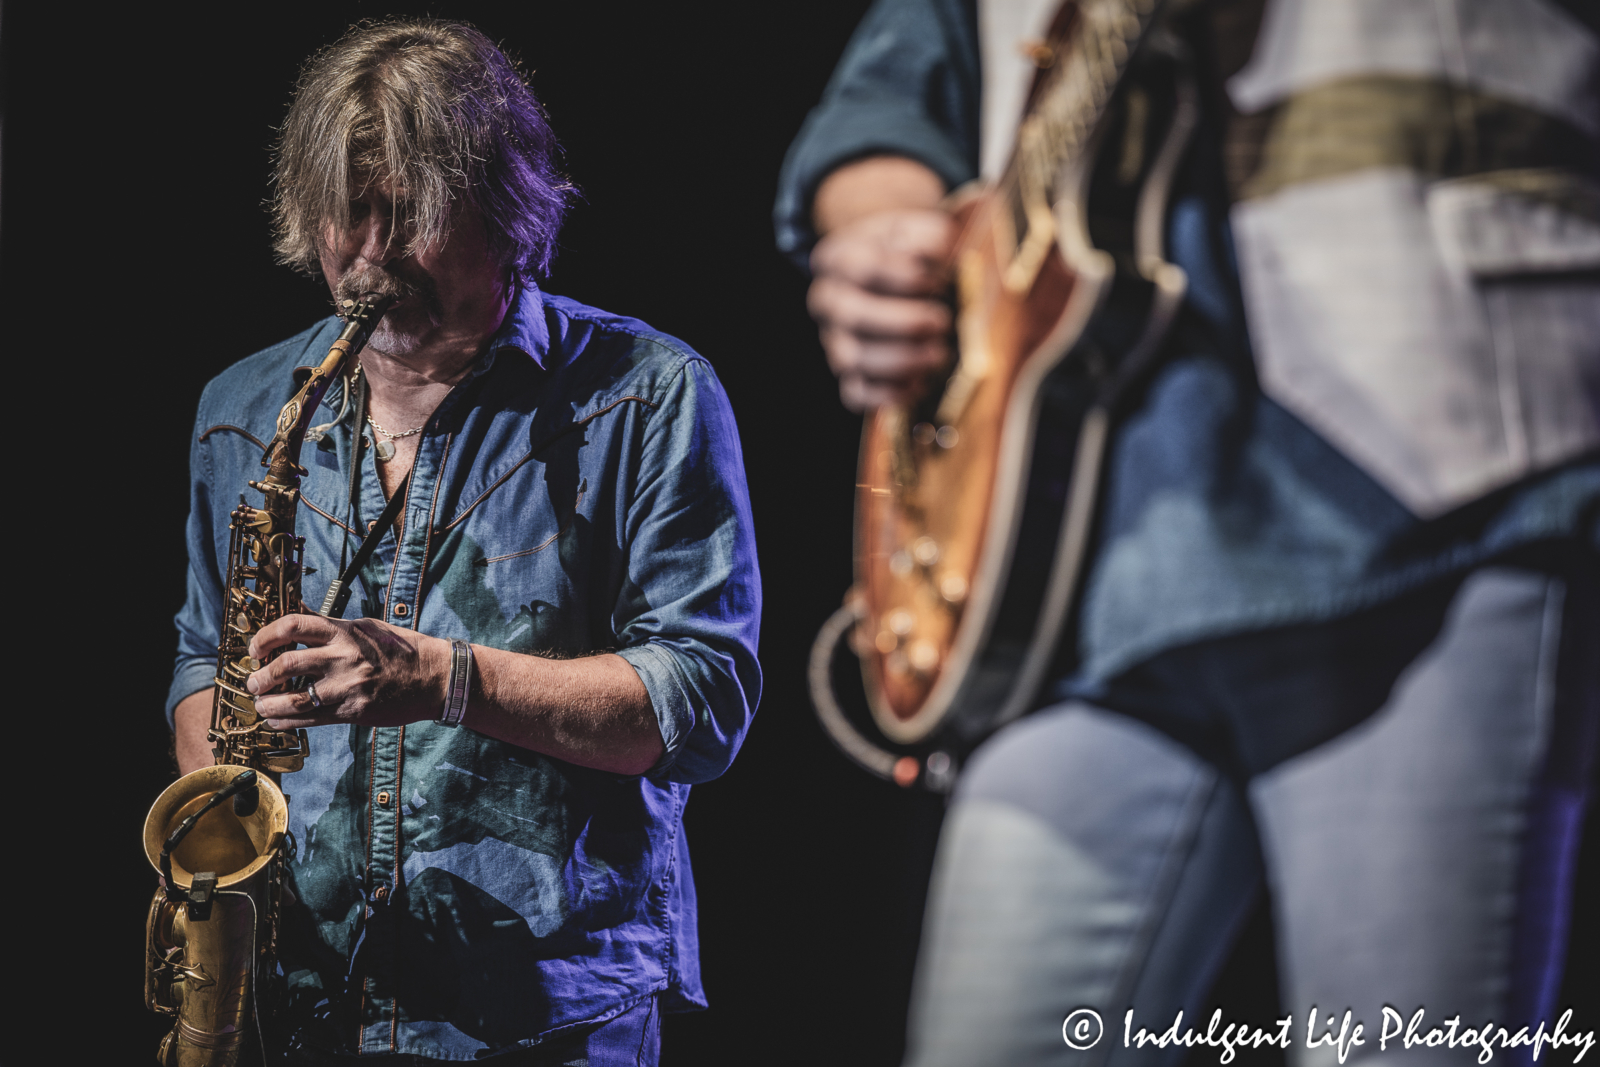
(975, 505)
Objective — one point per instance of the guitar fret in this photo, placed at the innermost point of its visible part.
(1092, 66)
(1080, 86)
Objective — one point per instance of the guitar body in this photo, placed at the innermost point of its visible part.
(942, 502)
(975, 506)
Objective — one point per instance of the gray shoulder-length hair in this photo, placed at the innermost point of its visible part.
(438, 109)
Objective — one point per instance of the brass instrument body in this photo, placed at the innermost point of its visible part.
(264, 569)
(202, 969)
(211, 933)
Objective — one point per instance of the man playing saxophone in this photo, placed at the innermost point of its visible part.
(552, 631)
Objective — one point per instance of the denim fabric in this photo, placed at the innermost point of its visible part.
(1223, 512)
(632, 1039)
(581, 490)
(1422, 858)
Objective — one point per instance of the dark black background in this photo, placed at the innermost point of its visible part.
(136, 266)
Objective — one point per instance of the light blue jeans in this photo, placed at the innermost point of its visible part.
(1419, 859)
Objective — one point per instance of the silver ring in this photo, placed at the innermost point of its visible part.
(311, 691)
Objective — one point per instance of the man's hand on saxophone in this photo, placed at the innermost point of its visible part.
(592, 711)
(363, 671)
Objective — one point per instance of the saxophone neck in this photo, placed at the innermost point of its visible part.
(282, 458)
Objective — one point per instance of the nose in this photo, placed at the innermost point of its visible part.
(376, 239)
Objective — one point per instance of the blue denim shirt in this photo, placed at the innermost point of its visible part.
(1223, 512)
(581, 490)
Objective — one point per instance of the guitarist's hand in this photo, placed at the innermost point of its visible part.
(879, 292)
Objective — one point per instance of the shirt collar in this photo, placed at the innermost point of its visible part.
(524, 329)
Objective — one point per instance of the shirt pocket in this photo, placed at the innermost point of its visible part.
(508, 570)
(1441, 334)
(1526, 245)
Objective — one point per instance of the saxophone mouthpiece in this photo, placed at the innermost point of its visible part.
(378, 302)
(360, 319)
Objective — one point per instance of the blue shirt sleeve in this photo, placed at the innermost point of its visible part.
(689, 614)
(908, 85)
(199, 620)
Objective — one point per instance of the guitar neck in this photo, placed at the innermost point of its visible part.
(1085, 67)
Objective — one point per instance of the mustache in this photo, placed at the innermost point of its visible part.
(375, 281)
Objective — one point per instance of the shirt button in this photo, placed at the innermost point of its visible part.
(383, 799)
(381, 893)
(400, 609)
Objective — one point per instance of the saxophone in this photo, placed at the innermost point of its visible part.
(211, 934)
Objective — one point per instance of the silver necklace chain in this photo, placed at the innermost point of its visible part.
(394, 436)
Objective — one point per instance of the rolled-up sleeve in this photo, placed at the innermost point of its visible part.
(689, 615)
(908, 84)
(198, 621)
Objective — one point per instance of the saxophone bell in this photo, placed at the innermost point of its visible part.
(209, 933)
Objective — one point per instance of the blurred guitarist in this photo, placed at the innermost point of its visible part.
(1338, 631)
